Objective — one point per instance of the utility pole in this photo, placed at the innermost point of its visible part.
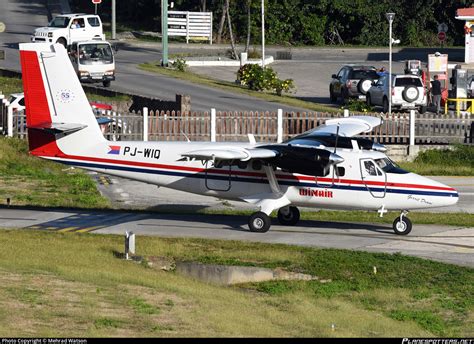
(390, 17)
(113, 19)
(263, 33)
(164, 32)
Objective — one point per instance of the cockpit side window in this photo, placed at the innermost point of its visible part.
(370, 168)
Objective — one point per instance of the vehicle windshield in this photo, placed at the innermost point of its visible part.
(95, 53)
(388, 166)
(364, 74)
(59, 22)
(408, 82)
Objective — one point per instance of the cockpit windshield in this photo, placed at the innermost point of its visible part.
(388, 166)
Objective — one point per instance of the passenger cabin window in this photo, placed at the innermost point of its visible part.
(340, 171)
(93, 21)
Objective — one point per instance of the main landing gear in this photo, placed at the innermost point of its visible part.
(260, 222)
(402, 224)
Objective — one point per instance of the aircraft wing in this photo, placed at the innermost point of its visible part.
(348, 126)
(231, 153)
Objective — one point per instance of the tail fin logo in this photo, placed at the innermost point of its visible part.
(65, 96)
(114, 150)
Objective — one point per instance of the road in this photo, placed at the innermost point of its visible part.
(310, 67)
(447, 244)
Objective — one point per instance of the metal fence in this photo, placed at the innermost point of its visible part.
(399, 128)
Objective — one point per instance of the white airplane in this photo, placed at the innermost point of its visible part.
(326, 167)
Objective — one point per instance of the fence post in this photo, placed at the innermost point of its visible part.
(145, 123)
(280, 126)
(213, 125)
(412, 127)
(346, 113)
(9, 119)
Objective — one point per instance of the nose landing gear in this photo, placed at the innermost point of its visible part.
(402, 224)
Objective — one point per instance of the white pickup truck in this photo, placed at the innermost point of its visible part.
(93, 61)
(69, 28)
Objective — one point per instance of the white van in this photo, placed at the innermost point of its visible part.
(69, 28)
(93, 61)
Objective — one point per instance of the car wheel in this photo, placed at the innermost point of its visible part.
(344, 96)
(385, 105)
(106, 83)
(410, 94)
(332, 96)
(368, 100)
(364, 85)
(62, 41)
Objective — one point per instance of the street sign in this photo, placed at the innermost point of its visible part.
(442, 36)
(443, 27)
(96, 2)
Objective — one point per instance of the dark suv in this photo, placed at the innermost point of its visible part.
(352, 81)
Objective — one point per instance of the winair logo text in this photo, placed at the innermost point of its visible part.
(316, 193)
(146, 152)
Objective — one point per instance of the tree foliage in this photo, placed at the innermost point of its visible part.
(309, 22)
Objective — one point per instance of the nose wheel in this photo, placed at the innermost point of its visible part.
(402, 225)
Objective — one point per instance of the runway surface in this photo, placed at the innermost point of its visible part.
(442, 243)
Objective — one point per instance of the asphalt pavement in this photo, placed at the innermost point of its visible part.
(448, 244)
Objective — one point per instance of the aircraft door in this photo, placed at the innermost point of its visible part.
(217, 176)
(375, 180)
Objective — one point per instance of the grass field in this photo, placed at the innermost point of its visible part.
(70, 284)
(27, 180)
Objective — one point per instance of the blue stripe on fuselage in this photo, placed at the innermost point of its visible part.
(234, 178)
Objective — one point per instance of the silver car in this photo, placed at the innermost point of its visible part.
(408, 93)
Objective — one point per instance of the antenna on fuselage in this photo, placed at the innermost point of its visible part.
(337, 136)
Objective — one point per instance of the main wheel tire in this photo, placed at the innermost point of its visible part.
(289, 219)
(332, 96)
(259, 222)
(106, 83)
(62, 41)
(402, 227)
(385, 105)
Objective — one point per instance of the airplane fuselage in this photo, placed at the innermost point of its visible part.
(349, 185)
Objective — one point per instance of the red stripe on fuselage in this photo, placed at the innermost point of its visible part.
(36, 105)
(250, 174)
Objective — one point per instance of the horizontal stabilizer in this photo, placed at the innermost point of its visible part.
(59, 128)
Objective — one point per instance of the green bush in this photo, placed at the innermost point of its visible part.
(179, 64)
(358, 105)
(259, 79)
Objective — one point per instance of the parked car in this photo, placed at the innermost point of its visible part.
(408, 93)
(69, 28)
(352, 81)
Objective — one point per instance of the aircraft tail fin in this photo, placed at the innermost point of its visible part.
(58, 114)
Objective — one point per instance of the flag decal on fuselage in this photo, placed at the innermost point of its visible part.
(114, 150)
